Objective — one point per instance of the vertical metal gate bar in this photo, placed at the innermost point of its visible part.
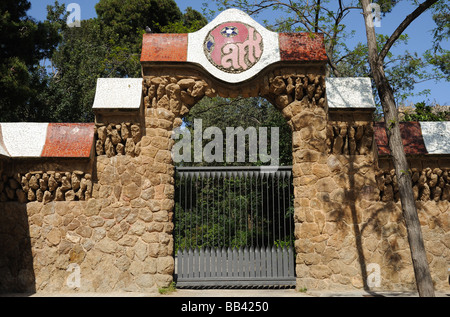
(208, 179)
(208, 262)
(229, 262)
(257, 262)
(263, 262)
(273, 208)
(289, 203)
(190, 264)
(188, 200)
(185, 204)
(268, 209)
(240, 209)
(251, 209)
(251, 262)
(245, 242)
(245, 209)
(246, 263)
(240, 262)
(285, 262)
(262, 213)
(230, 218)
(235, 262)
(223, 211)
(256, 211)
(279, 210)
(202, 263)
(280, 261)
(178, 214)
(217, 175)
(284, 203)
(220, 266)
(180, 271)
(196, 209)
(291, 262)
(213, 262)
(269, 261)
(234, 207)
(224, 262)
(274, 261)
(195, 264)
(202, 211)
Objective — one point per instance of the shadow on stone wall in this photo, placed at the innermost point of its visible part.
(379, 234)
(16, 260)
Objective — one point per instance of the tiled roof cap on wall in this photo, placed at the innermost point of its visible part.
(419, 138)
(118, 93)
(233, 47)
(34, 140)
(75, 140)
(349, 93)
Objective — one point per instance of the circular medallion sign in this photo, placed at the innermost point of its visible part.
(233, 47)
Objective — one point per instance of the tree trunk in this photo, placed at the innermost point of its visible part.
(418, 254)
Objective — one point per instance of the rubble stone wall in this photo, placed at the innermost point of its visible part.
(46, 186)
(120, 236)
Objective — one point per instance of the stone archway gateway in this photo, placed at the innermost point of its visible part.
(235, 56)
(90, 207)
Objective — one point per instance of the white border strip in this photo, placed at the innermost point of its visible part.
(196, 54)
(436, 136)
(24, 139)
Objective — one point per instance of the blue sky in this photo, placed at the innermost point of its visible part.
(419, 32)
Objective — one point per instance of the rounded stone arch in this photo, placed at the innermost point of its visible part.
(297, 92)
(289, 71)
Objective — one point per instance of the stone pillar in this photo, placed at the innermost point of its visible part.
(301, 99)
(167, 99)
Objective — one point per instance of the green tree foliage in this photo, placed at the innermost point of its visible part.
(233, 212)
(242, 112)
(191, 21)
(106, 46)
(438, 56)
(123, 23)
(128, 17)
(23, 43)
(78, 62)
(422, 112)
(405, 70)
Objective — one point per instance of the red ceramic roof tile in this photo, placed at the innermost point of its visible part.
(302, 47)
(164, 48)
(411, 135)
(69, 140)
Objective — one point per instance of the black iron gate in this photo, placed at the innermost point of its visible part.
(234, 227)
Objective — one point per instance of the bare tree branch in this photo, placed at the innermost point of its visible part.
(316, 21)
(406, 22)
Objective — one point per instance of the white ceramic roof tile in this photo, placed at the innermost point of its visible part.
(24, 139)
(436, 136)
(118, 93)
(349, 93)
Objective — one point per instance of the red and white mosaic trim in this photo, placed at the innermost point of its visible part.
(233, 47)
(32, 140)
